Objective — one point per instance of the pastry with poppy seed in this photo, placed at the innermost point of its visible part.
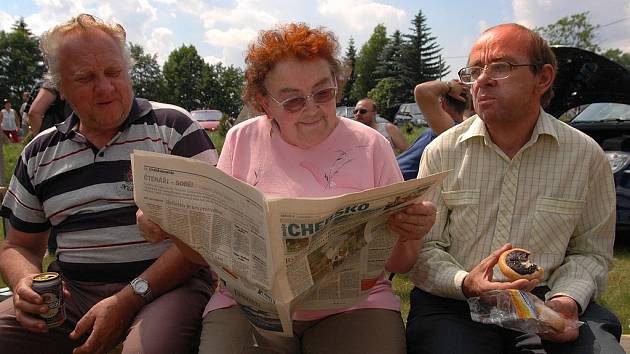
(515, 264)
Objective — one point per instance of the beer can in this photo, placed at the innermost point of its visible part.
(48, 286)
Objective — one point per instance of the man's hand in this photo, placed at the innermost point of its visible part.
(567, 308)
(457, 90)
(479, 280)
(28, 304)
(151, 231)
(107, 320)
(414, 221)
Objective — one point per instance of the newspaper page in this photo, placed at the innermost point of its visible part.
(275, 255)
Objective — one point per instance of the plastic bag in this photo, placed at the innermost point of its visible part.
(517, 310)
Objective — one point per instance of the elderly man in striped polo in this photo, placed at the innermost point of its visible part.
(74, 181)
(520, 178)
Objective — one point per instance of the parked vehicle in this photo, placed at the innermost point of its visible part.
(409, 113)
(585, 78)
(209, 119)
(343, 111)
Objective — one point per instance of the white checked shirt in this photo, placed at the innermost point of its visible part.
(555, 197)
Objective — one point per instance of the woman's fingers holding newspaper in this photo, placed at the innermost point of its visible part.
(148, 229)
(414, 221)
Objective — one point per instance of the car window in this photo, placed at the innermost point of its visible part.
(206, 116)
(414, 109)
(598, 112)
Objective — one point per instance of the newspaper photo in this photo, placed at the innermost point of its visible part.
(274, 255)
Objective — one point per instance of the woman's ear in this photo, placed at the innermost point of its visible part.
(263, 102)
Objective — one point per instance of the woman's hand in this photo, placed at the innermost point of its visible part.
(414, 221)
(150, 230)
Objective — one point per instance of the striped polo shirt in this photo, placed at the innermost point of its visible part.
(84, 195)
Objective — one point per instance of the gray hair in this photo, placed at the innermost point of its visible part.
(50, 41)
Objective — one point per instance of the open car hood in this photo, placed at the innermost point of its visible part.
(584, 77)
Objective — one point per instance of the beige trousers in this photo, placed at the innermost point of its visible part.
(361, 331)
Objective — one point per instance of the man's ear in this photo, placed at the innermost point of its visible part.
(545, 78)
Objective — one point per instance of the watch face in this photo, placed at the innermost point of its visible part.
(141, 287)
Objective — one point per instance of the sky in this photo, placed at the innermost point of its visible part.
(221, 29)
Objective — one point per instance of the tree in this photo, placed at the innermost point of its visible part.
(618, 56)
(367, 62)
(183, 76)
(384, 96)
(389, 59)
(349, 62)
(574, 30)
(146, 75)
(225, 95)
(389, 67)
(21, 61)
(420, 60)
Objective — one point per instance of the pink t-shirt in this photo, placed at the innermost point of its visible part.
(354, 157)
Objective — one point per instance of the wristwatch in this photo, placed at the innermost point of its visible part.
(141, 287)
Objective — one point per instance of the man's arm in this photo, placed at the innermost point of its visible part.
(110, 317)
(427, 96)
(39, 107)
(584, 273)
(20, 258)
(397, 137)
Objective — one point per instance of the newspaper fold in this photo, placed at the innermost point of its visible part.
(275, 255)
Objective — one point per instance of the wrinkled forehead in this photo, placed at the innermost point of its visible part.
(502, 44)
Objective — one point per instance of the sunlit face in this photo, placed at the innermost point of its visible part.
(503, 101)
(291, 78)
(94, 79)
(364, 112)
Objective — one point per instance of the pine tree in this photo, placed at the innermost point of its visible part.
(421, 60)
(389, 76)
(349, 62)
(390, 57)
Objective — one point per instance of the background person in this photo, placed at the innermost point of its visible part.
(45, 107)
(443, 104)
(521, 177)
(365, 112)
(302, 149)
(9, 122)
(75, 180)
(24, 115)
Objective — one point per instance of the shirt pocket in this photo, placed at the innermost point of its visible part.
(463, 209)
(554, 222)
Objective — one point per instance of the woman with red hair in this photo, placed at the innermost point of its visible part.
(300, 148)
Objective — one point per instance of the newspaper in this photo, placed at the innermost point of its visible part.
(274, 255)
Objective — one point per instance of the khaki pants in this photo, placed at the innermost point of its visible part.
(169, 324)
(361, 331)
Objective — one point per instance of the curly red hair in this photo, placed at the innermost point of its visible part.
(288, 41)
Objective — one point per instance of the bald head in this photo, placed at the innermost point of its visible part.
(365, 112)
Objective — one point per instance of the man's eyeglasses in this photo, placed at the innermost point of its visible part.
(360, 111)
(296, 104)
(497, 71)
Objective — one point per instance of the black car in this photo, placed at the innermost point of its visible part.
(599, 90)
